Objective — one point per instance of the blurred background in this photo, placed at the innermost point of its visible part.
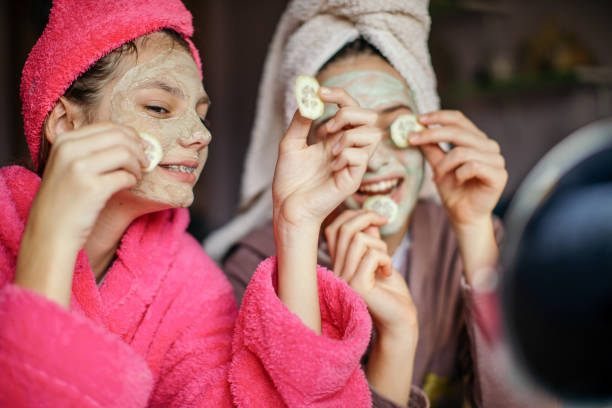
(526, 72)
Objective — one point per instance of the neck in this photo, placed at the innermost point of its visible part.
(106, 235)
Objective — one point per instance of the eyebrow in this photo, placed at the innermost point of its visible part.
(172, 90)
(396, 107)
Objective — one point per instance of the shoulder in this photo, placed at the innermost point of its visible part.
(259, 242)
(18, 187)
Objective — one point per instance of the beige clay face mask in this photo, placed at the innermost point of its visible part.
(159, 97)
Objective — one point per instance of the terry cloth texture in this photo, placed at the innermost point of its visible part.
(309, 33)
(79, 33)
(459, 360)
(163, 329)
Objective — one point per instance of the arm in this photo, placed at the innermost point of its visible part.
(278, 360)
(470, 179)
(63, 359)
(360, 257)
(309, 182)
(85, 168)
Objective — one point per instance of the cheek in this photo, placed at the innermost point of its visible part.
(411, 160)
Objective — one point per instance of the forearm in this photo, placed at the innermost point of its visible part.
(45, 265)
(479, 250)
(297, 271)
(390, 367)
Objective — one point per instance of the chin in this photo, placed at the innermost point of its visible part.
(390, 229)
(163, 200)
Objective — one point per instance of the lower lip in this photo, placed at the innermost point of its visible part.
(179, 175)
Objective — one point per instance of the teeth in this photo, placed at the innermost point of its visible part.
(183, 169)
(378, 187)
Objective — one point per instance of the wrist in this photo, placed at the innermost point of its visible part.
(45, 265)
(473, 228)
(399, 341)
(479, 250)
(390, 368)
(296, 246)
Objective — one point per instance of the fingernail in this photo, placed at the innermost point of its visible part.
(324, 90)
(330, 124)
(414, 138)
(337, 148)
(423, 117)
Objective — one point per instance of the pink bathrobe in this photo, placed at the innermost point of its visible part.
(163, 328)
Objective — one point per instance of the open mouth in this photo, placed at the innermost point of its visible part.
(383, 187)
(179, 168)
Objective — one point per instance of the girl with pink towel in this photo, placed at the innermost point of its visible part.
(105, 300)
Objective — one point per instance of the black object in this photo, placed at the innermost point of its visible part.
(556, 290)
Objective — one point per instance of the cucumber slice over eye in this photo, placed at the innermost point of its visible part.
(307, 97)
(153, 150)
(402, 127)
(382, 205)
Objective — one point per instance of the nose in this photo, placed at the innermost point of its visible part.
(379, 159)
(195, 140)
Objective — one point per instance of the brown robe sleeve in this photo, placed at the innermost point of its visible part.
(497, 384)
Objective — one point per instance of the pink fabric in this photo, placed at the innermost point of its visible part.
(163, 329)
(79, 33)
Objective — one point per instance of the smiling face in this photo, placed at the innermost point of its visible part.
(161, 94)
(394, 172)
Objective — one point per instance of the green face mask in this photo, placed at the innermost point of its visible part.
(371, 89)
(405, 167)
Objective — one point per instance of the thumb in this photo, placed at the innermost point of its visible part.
(298, 130)
(433, 153)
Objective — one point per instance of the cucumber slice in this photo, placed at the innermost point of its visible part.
(307, 97)
(403, 126)
(153, 150)
(382, 205)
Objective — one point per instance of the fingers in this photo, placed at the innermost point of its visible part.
(459, 136)
(433, 153)
(340, 233)
(448, 118)
(352, 158)
(117, 181)
(112, 159)
(461, 155)
(364, 136)
(331, 231)
(71, 148)
(360, 244)
(339, 96)
(492, 176)
(100, 127)
(365, 276)
(351, 117)
(297, 133)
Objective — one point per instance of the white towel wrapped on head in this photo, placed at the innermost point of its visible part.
(309, 33)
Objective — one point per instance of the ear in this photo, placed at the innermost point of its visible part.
(65, 116)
